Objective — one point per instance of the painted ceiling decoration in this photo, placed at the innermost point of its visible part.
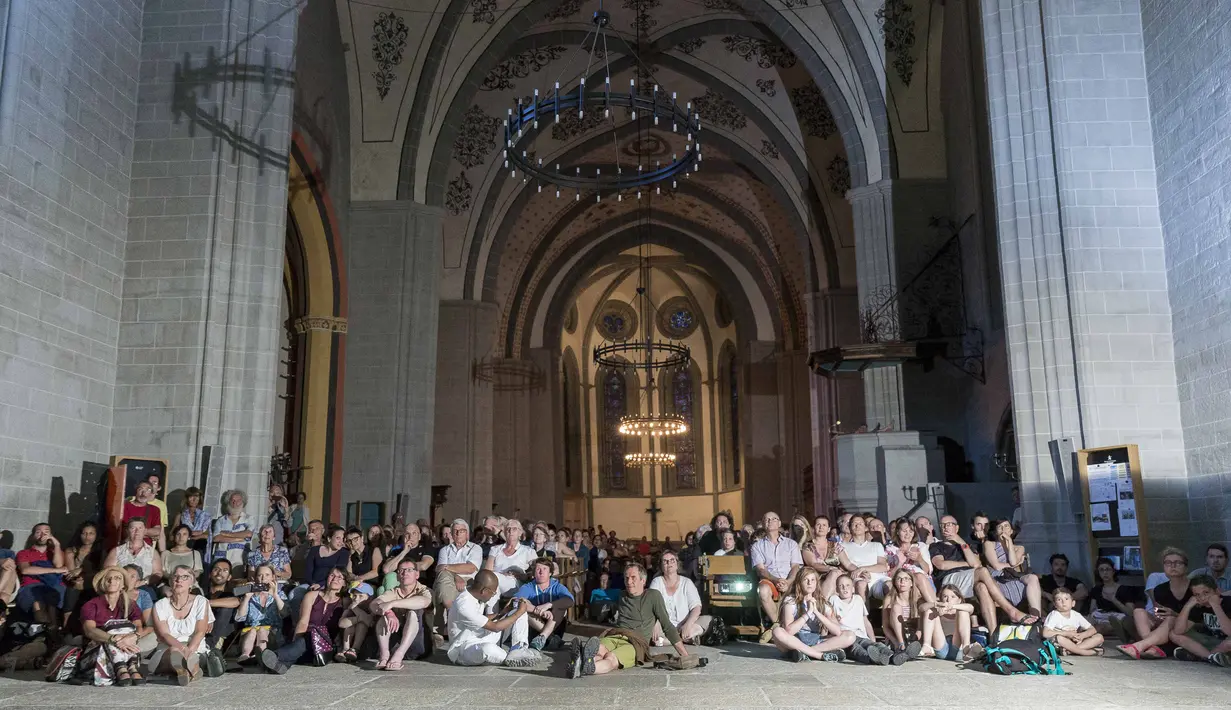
(813, 112)
(769, 87)
(839, 173)
(567, 8)
(898, 25)
(766, 53)
(520, 66)
(484, 11)
(718, 109)
(389, 33)
(692, 45)
(723, 5)
(477, 139)
(458, 197)
(642, 21)
(769, 150)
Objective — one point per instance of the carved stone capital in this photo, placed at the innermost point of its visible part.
(326, 323)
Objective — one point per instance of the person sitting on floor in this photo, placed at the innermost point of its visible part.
(777, 560)
(946, 627)
(1069, 629)
(604, 599)
(924, 530)
(729, 544)
(852, 615)
(397, 613)
(806, 625)
(476, 631)
(111, 619)
(267, 551)
(1006, 562)
(865, 560)
(550, 601)
(1112, 603)
(1059, 577)
(181, 622)
(901, 616)
(355, 621)
(10, 580)
(222, 602)
(42, 567)
(141, 595)
(640, 609)
(261, 609)
(315, 629)
(134, 550)
(1154, 627)
(711, 541)
(179, 551)
(682, 600)
(414, 547)
(1200, 629)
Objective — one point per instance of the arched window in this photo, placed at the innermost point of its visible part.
(615, 405)
(570, 389)
(683, 404)
(733, 392)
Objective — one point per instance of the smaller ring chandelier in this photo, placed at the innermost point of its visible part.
(653, 425)
(652, 458)
(644, 104)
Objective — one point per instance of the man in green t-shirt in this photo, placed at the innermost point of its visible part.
(639, 609)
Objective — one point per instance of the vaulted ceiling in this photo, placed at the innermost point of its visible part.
(792, 96)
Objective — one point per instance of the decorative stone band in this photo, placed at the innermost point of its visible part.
(326, 323)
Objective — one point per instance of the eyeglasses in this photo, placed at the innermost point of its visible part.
(1174, 563)
(948, 525)
(185, 577)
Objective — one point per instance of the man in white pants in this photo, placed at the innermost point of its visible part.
(475, 631)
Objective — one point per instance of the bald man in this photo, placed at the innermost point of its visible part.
(476, 631)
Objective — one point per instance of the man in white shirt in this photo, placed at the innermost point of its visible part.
(475, 632)
(457, 563)
(777, 560)
(682, 601)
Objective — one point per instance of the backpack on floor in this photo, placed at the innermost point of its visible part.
(1021, 650)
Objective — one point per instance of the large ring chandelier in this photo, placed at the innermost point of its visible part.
(650, 458)
(653, 425)
(643, 103)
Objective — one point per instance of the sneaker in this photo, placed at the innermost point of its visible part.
(537, 643)
(880, 654)
(798, 657)
(833, 656)
(913, 650)
(859, 654)
(1183, 654)
(269, 659)
(517, 647)
(898, 658)
(588, 653)
(1220, 659)
(214, 667)
(576, 660)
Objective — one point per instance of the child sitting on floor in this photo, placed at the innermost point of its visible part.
(1069, 629)
(852, 616)
(946, 627)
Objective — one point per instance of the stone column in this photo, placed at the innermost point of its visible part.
(199, 334)
(832, 321)
(877, 278)
(765, 460)
(527, 474)
(1086, 307)
(463, 452)
(390, 397)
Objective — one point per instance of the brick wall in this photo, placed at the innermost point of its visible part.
(1188, 62)
(67, 110)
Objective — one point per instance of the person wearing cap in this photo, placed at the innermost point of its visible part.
(261, 609)
(399, 612)
(111, 619)
(355, 621)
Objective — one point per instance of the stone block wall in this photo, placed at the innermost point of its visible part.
(1187, 65)
(67, 110)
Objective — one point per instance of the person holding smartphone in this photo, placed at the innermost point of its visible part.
(1154, 628)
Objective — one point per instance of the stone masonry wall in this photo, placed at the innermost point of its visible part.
(1187, 63)
(67, 110)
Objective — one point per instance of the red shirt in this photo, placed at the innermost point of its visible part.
(96, 610)
(149, 513)
(30, 556)
(643, 548)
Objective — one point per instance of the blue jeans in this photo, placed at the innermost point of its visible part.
(49, 596)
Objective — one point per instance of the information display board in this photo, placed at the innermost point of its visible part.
(1115, 507)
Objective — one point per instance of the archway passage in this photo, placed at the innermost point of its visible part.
(314, 338)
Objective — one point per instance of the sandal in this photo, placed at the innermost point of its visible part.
(340, 657)
(352, 656)
(393, 666)
(381, 665)
(134, 672)
(1154, 652)
(122, 678)
(1130, 650)
(1099, 651)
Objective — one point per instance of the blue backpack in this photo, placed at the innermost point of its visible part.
(1022, 650)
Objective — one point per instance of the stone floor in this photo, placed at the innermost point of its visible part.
(742, 675)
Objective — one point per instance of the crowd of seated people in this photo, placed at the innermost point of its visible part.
(189, 597)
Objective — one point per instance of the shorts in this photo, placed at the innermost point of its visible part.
(48, 596)
(621, 648)
(773, 588)
(809, 638)
(963, 579)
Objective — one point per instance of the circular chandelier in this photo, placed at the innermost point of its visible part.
(653, 355)
(653, 425)
(651, 458)
(643, 103)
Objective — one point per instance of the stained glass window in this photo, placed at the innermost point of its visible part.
(615, 405)
(682, 319)
(613, 323)
(733, 376)
(685, 446)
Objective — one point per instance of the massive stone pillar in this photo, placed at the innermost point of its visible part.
(1086, 306)
(527, 451)
(390, 396)
(832, 321)
(765, 461)
(199, 332)
(463, 452)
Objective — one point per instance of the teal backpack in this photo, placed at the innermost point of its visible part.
(1022, 650)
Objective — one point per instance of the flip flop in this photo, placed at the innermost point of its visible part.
(1154, 652)
(381, 665)
(394, 666)
(1130, 650)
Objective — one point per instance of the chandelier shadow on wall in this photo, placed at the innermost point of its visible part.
(645, 104)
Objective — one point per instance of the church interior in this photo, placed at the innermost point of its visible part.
(901, 256)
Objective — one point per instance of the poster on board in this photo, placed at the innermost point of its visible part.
(1102, 477)
(1100, 517)
(1127, 512)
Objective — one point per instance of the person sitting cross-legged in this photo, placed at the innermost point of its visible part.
(806, 627)
(261, 609)
(475, 630)
(852, 615)
(1200, 629)
(1154, 627)
(315, 628)
(946, 627)
(549, 604)
(397, 613)
(682, 600)
(355, 622)
(777, 560)
(640, 608)
(1069, 629)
